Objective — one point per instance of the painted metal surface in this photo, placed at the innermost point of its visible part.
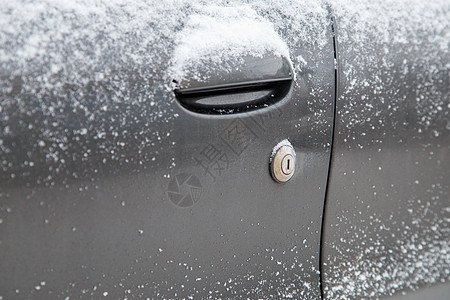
(109, 187)
(386, 227)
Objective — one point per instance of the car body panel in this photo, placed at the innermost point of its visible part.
(98, 157)
(386, 226)
(110, 188)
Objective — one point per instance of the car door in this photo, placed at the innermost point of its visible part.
(135, 148)
(386, 223)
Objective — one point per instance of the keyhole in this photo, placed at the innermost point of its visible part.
(286, 167)
(283, 164)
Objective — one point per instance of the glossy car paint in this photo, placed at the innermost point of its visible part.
(386, 226)
(95, 152)
(93, 171)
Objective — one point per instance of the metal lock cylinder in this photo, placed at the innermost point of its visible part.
(282, 162)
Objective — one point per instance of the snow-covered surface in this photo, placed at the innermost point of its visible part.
(282, 143)
(84, 84)
(68, 69)
(218, 36)
(406, 41)
(86, 96)
(387, 213)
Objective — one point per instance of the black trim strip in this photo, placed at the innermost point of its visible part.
(336, 81)
(231, 87)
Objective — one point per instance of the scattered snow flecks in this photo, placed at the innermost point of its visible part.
(396, 57)
(89, 83)
(84, 85)
(273, 279)
(84, 93)
(381, 267)
(386, 223)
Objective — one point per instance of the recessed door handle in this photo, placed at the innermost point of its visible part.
(259, 83)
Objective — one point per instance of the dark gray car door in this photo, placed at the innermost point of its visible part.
(386, 227)
(109, 186)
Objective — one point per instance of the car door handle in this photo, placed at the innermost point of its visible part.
(258, 83)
